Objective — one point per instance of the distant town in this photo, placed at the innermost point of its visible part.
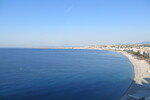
(141, 50)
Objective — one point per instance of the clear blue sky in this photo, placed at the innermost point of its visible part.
(47, 23)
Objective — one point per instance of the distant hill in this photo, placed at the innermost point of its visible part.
(145, 42)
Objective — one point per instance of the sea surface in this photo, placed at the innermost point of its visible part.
(63, 74)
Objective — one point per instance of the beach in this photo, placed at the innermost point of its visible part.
(140, 86)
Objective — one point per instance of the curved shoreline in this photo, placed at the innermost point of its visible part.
(125, 93)
(140, 86)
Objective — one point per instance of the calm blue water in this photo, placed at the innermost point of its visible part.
(55, 74)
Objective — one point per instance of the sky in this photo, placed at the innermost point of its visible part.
(58, 23)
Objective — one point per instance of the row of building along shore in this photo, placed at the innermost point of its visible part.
(137, 49)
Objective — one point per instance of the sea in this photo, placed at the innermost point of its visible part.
(63, 74)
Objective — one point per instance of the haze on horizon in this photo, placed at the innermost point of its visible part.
(52, 23)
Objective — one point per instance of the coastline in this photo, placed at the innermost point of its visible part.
(140, 87)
